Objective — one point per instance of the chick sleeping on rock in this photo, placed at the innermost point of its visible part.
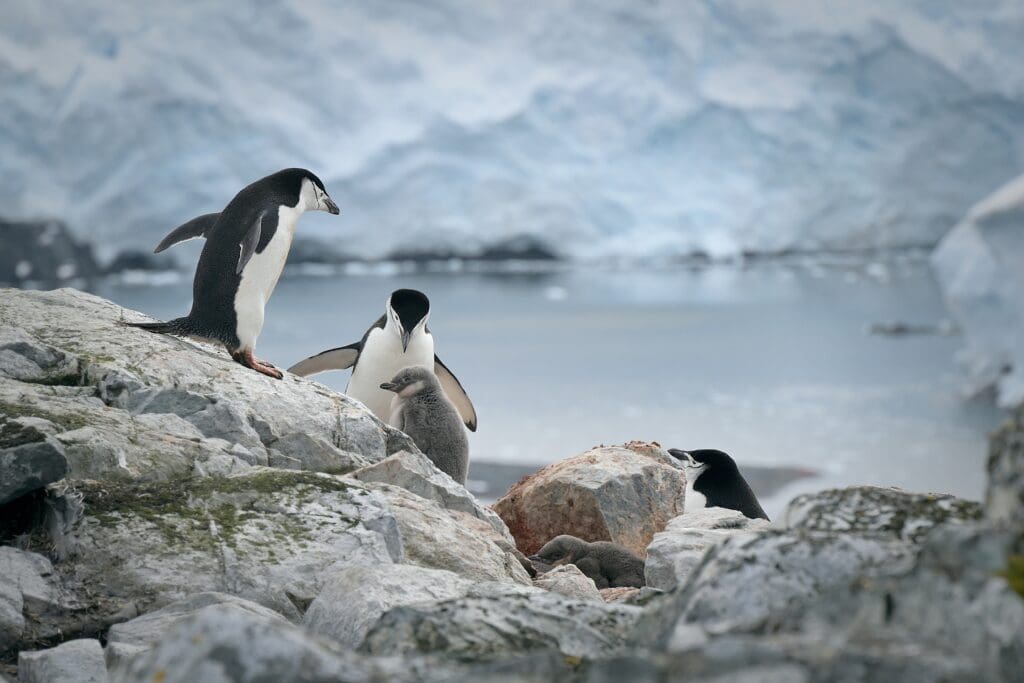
(608, 564)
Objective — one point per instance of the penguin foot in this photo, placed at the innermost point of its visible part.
(245, 357)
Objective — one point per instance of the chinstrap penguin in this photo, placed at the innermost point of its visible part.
(608, 564)
(246, 247)
(714, 480)
(421, 409)
(398, 339)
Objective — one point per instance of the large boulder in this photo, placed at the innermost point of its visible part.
(449, 539)
(125, 402)
(271, 536)
(497, 620)
(623, 494)
(75, 661)
(130, 639)
(886, 513)
(1004, 498)
(354, 598)
(675, 552)
(29, 459)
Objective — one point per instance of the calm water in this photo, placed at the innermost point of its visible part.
(771, 363)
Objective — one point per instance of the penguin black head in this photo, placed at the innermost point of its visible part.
(412, 380)
(714, 475)
(305, 188)
(408, 310)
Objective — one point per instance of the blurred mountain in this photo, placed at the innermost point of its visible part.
(618, 128)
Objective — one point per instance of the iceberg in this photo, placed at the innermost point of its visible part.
(605, 130)
(980, 267)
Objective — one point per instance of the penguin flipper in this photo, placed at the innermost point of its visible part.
(455, 393)
(340, 358)
(249, 242)
(193, 229)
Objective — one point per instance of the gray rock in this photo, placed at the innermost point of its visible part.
(498, 620)
(443, 539)
(414, 472)
(129, 639)
(354, 598)
(24, 358)
(266, 535)
(26, 593)
(1004, 498)
(227, 642)
(878, 512)
(75, 661)
(569, 581)
(746, 582)
(315, 455)
(29, 459)
(675, 552)
(623, 494)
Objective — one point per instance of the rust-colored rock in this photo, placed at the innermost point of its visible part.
(618, 594)
(624, 494)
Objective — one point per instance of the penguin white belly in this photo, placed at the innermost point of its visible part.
(379, 361)
(693, 500)
(259, 277)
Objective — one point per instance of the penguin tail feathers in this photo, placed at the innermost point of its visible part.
(177, 326)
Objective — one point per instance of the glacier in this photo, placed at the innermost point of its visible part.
(980, 267)
(607, 130)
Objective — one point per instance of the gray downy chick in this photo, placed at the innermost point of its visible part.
(608, 564)
(421, 409)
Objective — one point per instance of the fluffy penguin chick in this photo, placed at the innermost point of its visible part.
(608, 564)
(421, 409)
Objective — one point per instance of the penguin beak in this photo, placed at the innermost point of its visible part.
(388, 386)
(331, 207)
(406, 334)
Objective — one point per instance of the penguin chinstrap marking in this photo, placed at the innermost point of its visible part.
(246, 248)
(714, 480)
(398, 339)
(421, 409)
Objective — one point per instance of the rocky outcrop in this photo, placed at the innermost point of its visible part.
(495, 621)
(27, 595)
(675, 552)
(886, 513)
(76, 661)
(124, 402)
(621, 494)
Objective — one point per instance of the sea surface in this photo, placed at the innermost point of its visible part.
(771, 362)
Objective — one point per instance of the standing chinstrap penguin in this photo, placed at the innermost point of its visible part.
(714, 480)
(421, 409)
(400, 338)
(246, 248)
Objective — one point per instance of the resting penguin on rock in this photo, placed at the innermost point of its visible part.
(421, 410)
(398, 339)
(246, 247)
(713, 480)
(608, 564)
